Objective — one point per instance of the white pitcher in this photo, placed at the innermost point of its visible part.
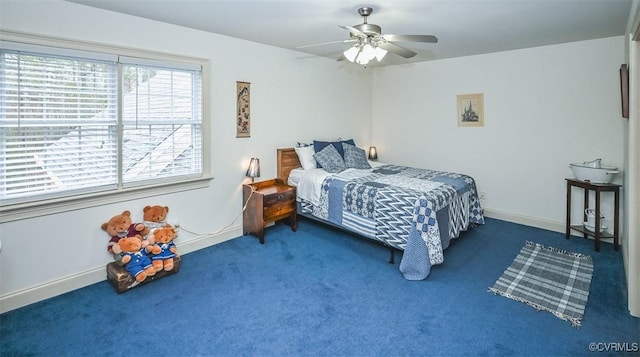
(596, 164)
(591, 217)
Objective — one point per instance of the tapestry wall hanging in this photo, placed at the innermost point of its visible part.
(471, 109)
(243, 112)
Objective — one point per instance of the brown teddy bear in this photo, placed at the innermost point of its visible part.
(120, 226)
(135, 258)
(164, 250)
(155, 217)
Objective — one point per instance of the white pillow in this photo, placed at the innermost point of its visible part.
(305, 155)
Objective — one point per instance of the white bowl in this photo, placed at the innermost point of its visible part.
(603, 174)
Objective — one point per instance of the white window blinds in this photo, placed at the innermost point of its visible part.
(57, 124)
(70, 125)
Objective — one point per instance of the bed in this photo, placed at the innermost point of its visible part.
(417, 211)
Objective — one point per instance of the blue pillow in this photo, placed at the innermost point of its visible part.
(355, 157)
(330, 160)
(319, 145)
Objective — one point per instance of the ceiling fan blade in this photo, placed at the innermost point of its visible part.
(353, 30)
(412, 38)
(326, 43)
(341, 58)
(400, 51)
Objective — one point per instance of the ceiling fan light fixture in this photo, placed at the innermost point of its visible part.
(362, 59)
(352, 53)
(364, 54)
(380, 53)
(368, 52)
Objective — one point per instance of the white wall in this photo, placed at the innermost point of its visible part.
(294, 98)
(545, 107)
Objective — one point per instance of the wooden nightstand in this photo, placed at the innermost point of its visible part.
(268, 201)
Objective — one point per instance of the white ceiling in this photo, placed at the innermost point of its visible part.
(463, 27)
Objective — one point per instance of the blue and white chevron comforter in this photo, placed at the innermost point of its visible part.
(415, 210)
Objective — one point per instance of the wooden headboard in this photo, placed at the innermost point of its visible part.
(287, 161)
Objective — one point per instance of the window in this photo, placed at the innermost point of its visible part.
(161, 122)
(76, 123)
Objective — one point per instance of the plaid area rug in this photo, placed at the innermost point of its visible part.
(548, 279)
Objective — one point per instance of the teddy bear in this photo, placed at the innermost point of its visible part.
(155, 217)
(164, 250)
(120, 226)
(135, 258)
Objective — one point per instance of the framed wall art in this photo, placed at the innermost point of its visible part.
(471, 109)
(243, 112)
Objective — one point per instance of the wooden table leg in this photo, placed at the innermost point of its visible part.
(616, 220)
(596, 233)
(568, 221)
(586, 205)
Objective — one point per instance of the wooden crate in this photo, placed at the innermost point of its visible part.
(122, 281)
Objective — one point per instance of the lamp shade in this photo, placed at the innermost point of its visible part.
(254, 168)
(368, 52)
(373, 153)
(380, 53)
(351, 53)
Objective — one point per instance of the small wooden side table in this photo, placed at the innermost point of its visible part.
(597, 188)
(267, 201)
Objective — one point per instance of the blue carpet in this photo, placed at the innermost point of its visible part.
(319, 291)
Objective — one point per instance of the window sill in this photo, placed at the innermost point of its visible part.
(37, 209)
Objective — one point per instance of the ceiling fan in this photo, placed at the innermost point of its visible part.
(371, 44)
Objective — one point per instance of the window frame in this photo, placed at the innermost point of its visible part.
(46, 206)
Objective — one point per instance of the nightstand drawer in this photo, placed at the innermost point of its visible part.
(272, 212)
(279, 197)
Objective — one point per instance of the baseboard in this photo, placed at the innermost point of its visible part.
(525, 220)
(28, 296)
(535, 222)
(57, 287)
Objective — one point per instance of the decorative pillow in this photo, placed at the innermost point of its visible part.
(355, 157)
(305, 155)
(329, 159)
(319, 145)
